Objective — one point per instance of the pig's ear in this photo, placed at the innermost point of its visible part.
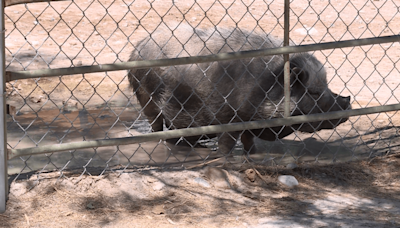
(298, 77)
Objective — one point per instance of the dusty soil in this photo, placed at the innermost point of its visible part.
(100, 105)
(66, 34)
(355, 194)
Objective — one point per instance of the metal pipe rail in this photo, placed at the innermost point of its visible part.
(286, 67)
(17, 2)
(156, 136)
(16, 75)
(3, 122)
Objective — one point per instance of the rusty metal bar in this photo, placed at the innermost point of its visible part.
(197, 59)
(201, 130)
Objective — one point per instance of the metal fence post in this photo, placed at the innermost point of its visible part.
(3, 125)
(286, 68)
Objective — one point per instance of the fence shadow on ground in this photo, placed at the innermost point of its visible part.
(327, 194)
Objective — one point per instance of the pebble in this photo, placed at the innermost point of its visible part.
(306, 31)
(36, 99)
(291, 165)
(250, 174)
(288, 180)
(157, 186)
(202, 182)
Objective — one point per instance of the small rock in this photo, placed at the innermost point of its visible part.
(36, 99)
(158, 186)
(71, 102)
(70, 105)
(250, 174)
(90, 206)
(288, 180)
(19, 188)
(158, 210)
(291, 165)
(306, 31)
(202, 182)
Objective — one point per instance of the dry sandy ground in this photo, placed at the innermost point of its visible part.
(50, 110)
(100, 105)
(356, 194)
(67, 34)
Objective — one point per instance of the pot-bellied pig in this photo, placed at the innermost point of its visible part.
(229, 91)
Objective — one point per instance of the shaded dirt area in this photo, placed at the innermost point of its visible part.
(355, 194)
(373, 135)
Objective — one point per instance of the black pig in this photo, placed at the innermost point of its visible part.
(229, 91)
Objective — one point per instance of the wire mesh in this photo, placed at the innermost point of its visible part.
(101, 105)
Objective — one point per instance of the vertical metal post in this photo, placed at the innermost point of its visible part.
(3, 122)
(286, 68)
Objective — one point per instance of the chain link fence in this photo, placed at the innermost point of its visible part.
(101, 105)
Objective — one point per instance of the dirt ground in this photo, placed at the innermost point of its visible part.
(67, 34)
(354, 194)
(100, 105)
(360, 193)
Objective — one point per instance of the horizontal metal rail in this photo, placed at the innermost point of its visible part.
(201, 130)
(17, 2)
(16, 75)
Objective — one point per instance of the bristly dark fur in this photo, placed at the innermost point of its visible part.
(228, 91)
